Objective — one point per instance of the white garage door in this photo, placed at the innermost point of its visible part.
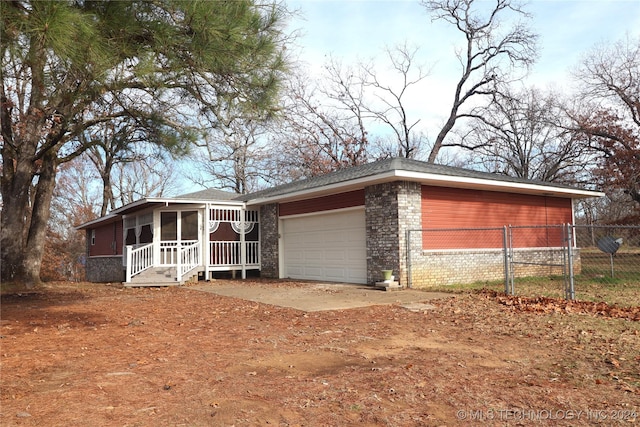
(329, 247)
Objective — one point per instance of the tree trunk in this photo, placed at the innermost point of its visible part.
(443, 133)
(107, 191)
(24, 226)
(16, 181)
(40, 219)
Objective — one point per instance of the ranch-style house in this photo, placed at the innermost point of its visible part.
(345, 226)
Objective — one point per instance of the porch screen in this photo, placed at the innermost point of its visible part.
(189, 225)
(169, 225)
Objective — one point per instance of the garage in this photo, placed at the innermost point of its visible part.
(327, 246)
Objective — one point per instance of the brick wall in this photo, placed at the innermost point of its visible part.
(390, 209)
(435, 268)
(105, 269)
(269, 241)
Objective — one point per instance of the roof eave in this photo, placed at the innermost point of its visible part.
(323, 190)
(137, 205)
(431, 179)
(497, 185)
(103, 219)
(149, 203)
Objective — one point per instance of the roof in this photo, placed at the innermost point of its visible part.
(210, 194)
(397, 168)
(358, 177)
(203, 196)
(107, 219)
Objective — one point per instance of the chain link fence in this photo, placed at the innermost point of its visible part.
(570, 261)
(609, 254)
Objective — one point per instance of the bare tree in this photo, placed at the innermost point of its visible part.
(524, 134)
(390, 105)
(75, 201)
(235, 157)
(326, 123)
(150, 177)
(125, 140)
(322, 127)
(610, 84)
(490, 55)
(610, 74)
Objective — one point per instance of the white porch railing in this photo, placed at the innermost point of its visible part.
(188, 259)
(169, 251)
(188, 255)
(229, 253)
(138, 259)
(253, 253)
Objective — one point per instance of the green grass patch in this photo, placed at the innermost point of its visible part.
(497, 286)
(621, 292)
(599, 277)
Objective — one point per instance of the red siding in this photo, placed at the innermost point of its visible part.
(108, 240)
(326, 203)
(461, 208)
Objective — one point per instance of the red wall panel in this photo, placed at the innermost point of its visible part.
(108, 240)
(461, 208)
(326, 203)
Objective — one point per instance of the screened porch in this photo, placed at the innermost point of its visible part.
(185, 241)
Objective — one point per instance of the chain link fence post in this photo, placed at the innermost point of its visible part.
(570, 292)
(409, 283)
(506, 259)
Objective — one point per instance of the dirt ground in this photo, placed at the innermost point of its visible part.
(101, 355)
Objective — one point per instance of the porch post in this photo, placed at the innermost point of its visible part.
(127, 250)
(156, 239)
(179, 261)
(243, 249)
(207, 245)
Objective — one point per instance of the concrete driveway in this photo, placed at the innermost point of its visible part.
(310, 296)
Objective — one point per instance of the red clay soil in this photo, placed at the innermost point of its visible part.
(101, 355)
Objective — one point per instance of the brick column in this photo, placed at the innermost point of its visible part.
(391, 209)
(269, 241)
(410, 214)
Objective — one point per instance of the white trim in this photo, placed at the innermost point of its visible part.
(212, 226)
(464, 182)
(105, 256)
(430, 179)
(190, 207)
(485, 250)
(343, 186)
(168, 200)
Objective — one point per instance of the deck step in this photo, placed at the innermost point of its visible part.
(153, 274)
(158, 276)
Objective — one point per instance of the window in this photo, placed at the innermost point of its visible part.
(146, 234)
(93, 237)
(130, 238)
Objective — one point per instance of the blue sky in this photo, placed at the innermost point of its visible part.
(360, 29)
